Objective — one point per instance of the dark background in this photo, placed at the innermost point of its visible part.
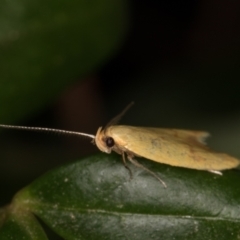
(179, 62)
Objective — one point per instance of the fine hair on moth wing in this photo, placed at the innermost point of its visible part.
(175, 147)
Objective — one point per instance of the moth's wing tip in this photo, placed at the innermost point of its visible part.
(202, 136)
(199, 138)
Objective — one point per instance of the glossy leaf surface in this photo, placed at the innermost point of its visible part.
(95, 199)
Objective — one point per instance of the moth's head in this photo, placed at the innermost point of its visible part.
(103, 142)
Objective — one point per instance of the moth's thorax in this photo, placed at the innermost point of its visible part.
(120, 142)
(116, 133)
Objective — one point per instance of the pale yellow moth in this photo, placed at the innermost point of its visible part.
(181, 148)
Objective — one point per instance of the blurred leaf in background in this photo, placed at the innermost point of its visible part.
(47, 45)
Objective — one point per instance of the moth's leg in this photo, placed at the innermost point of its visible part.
(137, 164)
(126, 166)
(216, 172)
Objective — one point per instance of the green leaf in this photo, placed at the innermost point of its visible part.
(47, 45)
(95, 199)
(17, 223)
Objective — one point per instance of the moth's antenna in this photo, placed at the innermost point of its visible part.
(119, 116)
(40, 129)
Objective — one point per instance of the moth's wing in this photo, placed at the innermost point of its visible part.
(189, 137)
(139, 134)
(154, 142)
(171, 146)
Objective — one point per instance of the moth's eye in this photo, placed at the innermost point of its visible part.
(109, 142)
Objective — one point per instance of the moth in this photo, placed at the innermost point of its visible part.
(180, 148)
